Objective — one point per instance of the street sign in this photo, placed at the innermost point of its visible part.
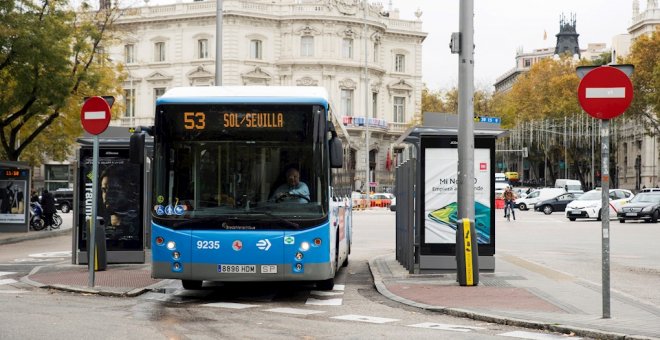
(605, 92)
(95, 115)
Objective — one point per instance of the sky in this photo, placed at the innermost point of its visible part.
(501, 27)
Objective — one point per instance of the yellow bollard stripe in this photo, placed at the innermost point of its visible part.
(467, 241)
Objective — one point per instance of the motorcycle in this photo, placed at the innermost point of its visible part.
(37, 221)
(36, 216)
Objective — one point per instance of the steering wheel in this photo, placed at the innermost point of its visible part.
(286, 195)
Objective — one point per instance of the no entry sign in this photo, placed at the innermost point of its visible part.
(605, 92)
(95, 115)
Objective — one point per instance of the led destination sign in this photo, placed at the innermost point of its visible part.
(258, 120)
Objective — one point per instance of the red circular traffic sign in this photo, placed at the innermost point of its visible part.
(605, 92)
(95, 115)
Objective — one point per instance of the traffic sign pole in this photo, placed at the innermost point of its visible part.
(95, 118)
(605, 92)
(91, 237)
(605, 213)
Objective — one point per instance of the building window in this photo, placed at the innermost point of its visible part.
(255, 49)
(129, 53)
(346, 102)
(527, 62)
(399, 109)
(203, 48)
(57, 176)
(307, 46)
(400, 63)
(159, 51)
(347, 48)
(129, 103)
(374, 104)
(158, 91)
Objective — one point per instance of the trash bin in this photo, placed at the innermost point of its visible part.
(100, 249)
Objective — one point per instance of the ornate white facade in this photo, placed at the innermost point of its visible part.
(291, 42)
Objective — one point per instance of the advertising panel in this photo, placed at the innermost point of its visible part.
(119, 199)
(440, 200)
(13, 189)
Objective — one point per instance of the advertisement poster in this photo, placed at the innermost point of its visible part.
(12, 200)
(441, 195)
(119, 199)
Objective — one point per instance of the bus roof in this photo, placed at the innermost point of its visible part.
(241, 94)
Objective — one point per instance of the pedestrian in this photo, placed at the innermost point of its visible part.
(48, 206)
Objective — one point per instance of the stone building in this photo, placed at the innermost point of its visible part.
(288, 42)
(637, 159)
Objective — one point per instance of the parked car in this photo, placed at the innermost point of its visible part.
(557, 203)
(644, 206)
(650, 190)
(63, 199)
(537, 196)
(570, 185)
(499, 188)
(589, 204)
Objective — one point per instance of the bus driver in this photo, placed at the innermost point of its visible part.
(293, 190)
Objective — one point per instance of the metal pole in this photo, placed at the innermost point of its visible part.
(466, 111)
(565, 151)
(91, 236)
(218, 43)
(593, 158)
(605, 212)
(366, 103)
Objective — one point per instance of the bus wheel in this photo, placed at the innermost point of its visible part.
(345, 263)
(326, 284)
(191, 284)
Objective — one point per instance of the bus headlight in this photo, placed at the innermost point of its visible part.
(176, 255)
(171, 245)
(304, 246)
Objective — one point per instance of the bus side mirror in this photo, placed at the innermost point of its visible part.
(136, 149)
(336, 153)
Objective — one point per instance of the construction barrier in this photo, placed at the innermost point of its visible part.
(361, 203)
(499, 203)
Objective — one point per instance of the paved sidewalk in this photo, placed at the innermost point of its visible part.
(521, 293)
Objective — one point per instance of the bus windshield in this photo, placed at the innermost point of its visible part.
(210, 171)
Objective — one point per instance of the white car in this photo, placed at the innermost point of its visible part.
(589, 204)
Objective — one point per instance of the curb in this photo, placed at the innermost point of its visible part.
(464, 313)
(92, 290)
(35, 235)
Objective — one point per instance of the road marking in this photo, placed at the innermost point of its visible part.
(324, 293)
(362, 318)
(52, 254)
(321, 302)
(295, 311)
(445, 327)
(13, 291)
(536, 336)
(338, 287)
(230, 305)
(7, 281)
(6, 273)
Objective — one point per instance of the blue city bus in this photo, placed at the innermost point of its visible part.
(219, 155)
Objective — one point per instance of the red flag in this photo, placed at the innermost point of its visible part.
(388, 161)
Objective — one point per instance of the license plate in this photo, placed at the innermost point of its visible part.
(237, 268)
(576, 212)
(631, 214)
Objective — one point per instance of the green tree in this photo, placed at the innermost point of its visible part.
(50, 58)
(644, 55)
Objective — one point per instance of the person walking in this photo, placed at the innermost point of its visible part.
(48, 206)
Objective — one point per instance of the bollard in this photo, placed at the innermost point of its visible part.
(100, 248)
(467, 253)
